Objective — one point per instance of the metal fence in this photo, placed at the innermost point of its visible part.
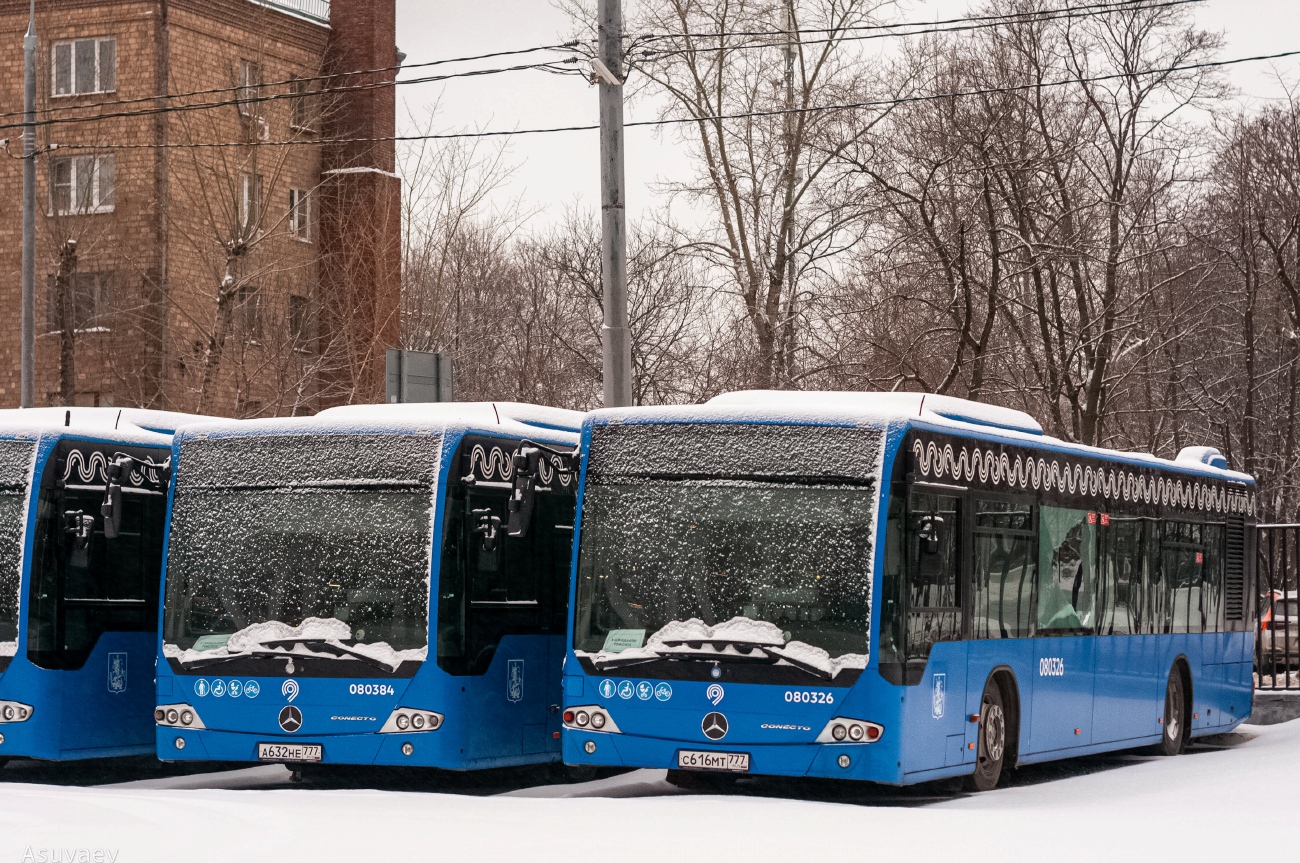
(317, 10)
(1277, 639)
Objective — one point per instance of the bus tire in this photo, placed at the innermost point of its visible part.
(991, 745)
(1173, 737)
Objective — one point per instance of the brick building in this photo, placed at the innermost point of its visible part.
(233, 248)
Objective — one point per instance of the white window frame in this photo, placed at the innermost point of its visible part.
(250, 200)
(77, 167)
(249, 89)
(99, 83)
(300, 215)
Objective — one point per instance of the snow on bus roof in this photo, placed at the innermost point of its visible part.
(520, 420)
(934, 411)
(127, 425)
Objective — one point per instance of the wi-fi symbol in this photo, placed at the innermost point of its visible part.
(289, 689)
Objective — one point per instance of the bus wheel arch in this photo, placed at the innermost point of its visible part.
(998, 730)
(1006, 681)
(1178, 687)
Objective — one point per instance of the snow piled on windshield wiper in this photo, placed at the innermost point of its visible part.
(8, 648)
(261, 638)
(694, 639)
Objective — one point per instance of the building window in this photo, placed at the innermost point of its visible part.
(302, 106)
(250, 82)
(82, 184)
(85, 66)
(250, 200)
(90, 299)
(248, 312)
(300, 215)
(299, 322)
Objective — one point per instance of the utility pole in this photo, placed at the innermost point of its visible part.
(29, 213)
(792, 162)
(616, 341)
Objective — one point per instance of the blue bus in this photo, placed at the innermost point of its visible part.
(83, 503)
(895, 588)
(375, 585)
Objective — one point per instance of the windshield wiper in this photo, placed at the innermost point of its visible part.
(337, 650)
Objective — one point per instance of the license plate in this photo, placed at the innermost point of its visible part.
(288, 752)
(731, 762)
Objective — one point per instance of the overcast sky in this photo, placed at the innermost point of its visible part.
(558, 170)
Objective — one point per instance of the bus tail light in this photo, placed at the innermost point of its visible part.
(177, 716)
(594, 718)
(842, 730)
(408, 719)
(13, 711)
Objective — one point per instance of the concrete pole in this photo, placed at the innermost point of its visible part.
(617, 341)
(29, 214)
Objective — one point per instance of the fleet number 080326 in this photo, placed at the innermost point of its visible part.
(806, 697)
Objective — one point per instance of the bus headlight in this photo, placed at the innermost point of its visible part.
(407, 719)
(13, 711)
(593, 718)
(841, 730)
(177, 716)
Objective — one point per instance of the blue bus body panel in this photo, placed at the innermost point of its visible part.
(1109, 696)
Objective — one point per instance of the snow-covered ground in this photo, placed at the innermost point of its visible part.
(1210, 804)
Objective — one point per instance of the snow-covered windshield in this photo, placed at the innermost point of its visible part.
(15, 470)
(739, 554)
(311, 545)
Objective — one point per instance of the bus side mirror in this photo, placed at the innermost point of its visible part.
(930, 530)
(111, 508)
(523, 496)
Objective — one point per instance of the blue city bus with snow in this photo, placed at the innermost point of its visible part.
(375, 585)
(83, 503)
(895, 588)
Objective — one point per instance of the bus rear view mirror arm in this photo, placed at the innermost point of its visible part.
(527, 462)
(111, 508)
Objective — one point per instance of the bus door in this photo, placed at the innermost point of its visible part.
(93, 608)
(1126, 695)
(936, 655)
(1062, 713)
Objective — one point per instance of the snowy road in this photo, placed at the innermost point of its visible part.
(1205, 805)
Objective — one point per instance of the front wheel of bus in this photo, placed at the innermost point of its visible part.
(1173, 738)
(991, 747)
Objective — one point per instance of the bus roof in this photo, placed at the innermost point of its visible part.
(940, 413)
(128, 425)
(515, 419)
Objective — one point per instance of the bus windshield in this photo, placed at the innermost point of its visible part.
(754, 570)
(15, 467)
(316, 547)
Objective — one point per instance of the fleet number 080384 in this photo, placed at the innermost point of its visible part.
(371, 689)
(806, 697)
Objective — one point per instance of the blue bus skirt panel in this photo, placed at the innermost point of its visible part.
(497, 719)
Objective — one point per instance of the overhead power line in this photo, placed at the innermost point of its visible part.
(1027, 18)
(677, 121)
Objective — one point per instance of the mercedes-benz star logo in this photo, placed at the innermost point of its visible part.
(715, 726)
(291, 719)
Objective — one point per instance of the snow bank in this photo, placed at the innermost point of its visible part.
(677, 636)
(329, 630)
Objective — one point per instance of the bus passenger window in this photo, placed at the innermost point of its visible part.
(891, 591)
(1182, 562)
(1212, 578)
(1066, 557)
(1002, 584)
(1121, 592)
(934, 615)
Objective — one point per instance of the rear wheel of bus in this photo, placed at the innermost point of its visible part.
(1174, 736)
(991, 745)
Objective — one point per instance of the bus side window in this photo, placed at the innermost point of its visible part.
(1182, 560)
(1066, 562)
(933, 604)
(1121, 594)
(891, 589)
(1005, 573)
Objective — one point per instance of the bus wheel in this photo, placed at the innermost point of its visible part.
(1175, 732)
(991, 747)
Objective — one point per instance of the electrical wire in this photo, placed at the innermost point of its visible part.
(677, 121)
(1033, 19)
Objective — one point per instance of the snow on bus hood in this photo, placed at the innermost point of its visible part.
(330, 630)
(669, 640)
(8, 648)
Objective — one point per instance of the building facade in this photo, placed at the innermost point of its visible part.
(229, 247)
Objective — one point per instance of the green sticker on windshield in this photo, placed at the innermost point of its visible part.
(210, 642)
(619, 640)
